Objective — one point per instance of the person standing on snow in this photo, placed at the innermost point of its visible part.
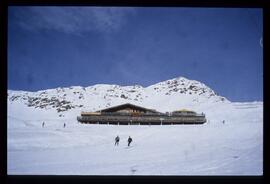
(129, 140)
(64, 125)
(43, 124)
(117, 139)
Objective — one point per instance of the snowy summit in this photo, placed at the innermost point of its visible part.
(164, 96)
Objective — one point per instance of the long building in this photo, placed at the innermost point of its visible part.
(129, 114)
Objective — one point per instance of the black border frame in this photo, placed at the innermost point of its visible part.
(131, 179)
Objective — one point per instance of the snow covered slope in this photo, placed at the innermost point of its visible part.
(68, 102)
(214, 148)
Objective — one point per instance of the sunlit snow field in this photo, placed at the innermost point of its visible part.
(233, 148)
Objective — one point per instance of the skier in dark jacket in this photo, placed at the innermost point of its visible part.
(64, 125)
(129, 140)
(117, 139)
(43, 124)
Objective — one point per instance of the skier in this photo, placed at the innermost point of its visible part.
(64, 125)
(223, 121)
(129, 140)
(117, 139)
(43, 124)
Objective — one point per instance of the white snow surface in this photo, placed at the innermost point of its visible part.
(214, 148)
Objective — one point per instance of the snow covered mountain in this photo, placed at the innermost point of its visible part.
(168, 95)
(213, 148)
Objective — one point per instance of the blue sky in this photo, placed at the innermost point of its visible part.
(51, 47)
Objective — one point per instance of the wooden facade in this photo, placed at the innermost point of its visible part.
(129, 114)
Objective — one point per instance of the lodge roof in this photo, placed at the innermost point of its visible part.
(126, 105)
(184, 110)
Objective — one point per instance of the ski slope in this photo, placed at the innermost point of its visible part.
(214, 148)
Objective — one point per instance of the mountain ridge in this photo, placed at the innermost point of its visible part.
(174, 93)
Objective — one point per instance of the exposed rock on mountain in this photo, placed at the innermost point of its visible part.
(164, 96)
